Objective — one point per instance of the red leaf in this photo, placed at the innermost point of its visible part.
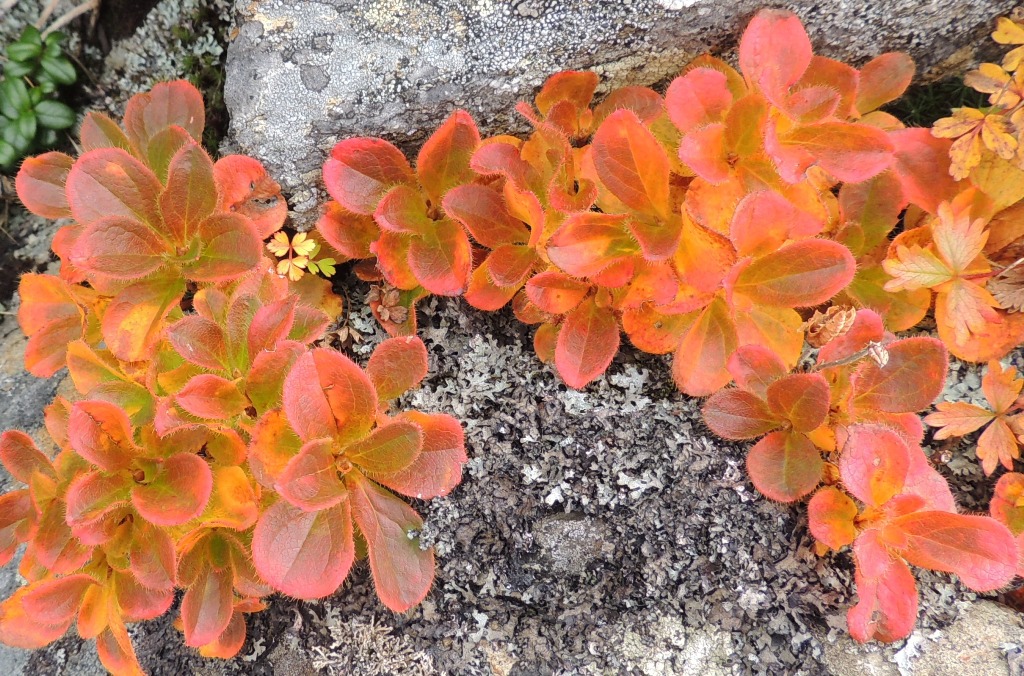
(327, 395)
(396, 366)
(231, 247)
(874, 463)
(978, 549)
(22, 459)
(631, 163)
(99, 131)
(438, 467)
(91, 496)
(230, 641)
(310, 480)
(304, 554)
(774, 51)
(911, 380)
(587, 342)
(802, 274)
(207, 607)
(191, 194)
(167, 103)
(17, 522)
(887, 600)
(361, 170)
(40, 184)
(177, 494)
(755, 367)
(110, 182)
(102, 434)
(484, 294)
(212, 397)
(137, 602)
(402, 572)
(481, 209)
(441, 259)
(19, 629)
(801, 398)
(443, 162)
(785, 466)
(703, 150)
(118, 248)
(737, 414)
(700, 96)
(883, 79)
(830, 515)
(152, 558)
(922, 165)
(509, 265)
(116, 653)
(265, 382)
(555, 292)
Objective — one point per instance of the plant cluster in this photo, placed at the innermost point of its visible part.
(707, 223)
(30, 112)
(209, 448)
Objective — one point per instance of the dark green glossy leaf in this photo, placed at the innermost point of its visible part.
(21, 51)
(59, 68)
(17, 69)
(13, 98)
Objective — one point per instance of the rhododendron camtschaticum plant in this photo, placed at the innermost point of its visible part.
(210, 447)
(706, 223)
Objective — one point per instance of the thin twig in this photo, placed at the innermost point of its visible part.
(87, 6)
(47, 11)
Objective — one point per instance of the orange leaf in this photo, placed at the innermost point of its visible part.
(700, 96)
(874, 463)
(997, 444)
(955, 419)
(481, 209)
(310, 480)
(785, 466)
(167, 103)
(101, 433)
(830, 515)
(802, 274)
(764, 220)
(231, 247)
(134, 320)
(304, 554)
(327, 395)
(361, 170)
(396, 366)
(555, 292)
(403, 210)
(631, 163)
(110, 182)
(177, 493)
(443, 162)
(910, 381)
(438, 467)
(441, 259)
(206, 608)
(699, 365)
(886, 599)
(246, 188)
(755, 368)
(733, 413)
(774, 51)
(119, 248)
(211, 397)
(850, 152)
(587, 342)
(402, 571)
(191, 194)
(99, 131)
(883, 79)
(40, 184)
(588, 243)
(801, 398)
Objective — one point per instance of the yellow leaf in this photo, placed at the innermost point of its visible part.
(915, 268)
(1008, 32)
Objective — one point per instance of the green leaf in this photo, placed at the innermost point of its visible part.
(14, 98)
(16, 69)
(53, 40)
(54, 115)
(327, 266)
(31, 36)
(23, 51)
(59, 68)
(8, 155)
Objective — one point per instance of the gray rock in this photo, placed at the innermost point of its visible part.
(302, 75)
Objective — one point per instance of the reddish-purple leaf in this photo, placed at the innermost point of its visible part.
(910, 381)
(800, 398)
(200, 341)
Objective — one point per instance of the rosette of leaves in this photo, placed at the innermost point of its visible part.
(30, 112)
